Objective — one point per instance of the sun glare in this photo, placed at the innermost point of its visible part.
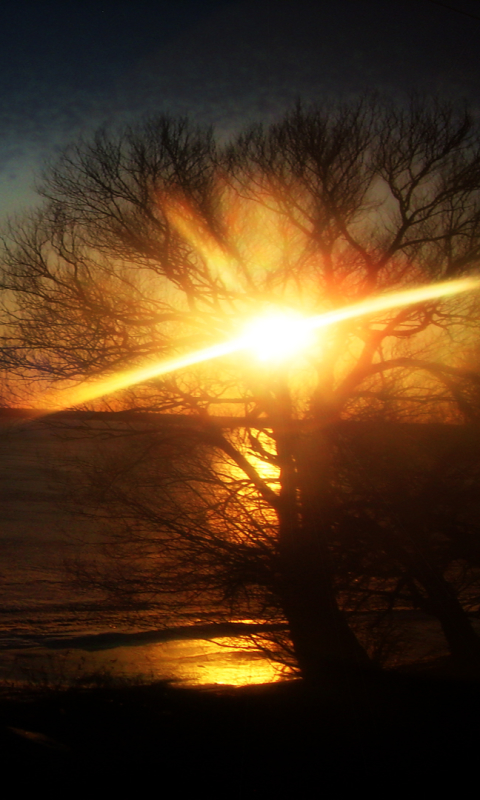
(273, 337)
(277, 336)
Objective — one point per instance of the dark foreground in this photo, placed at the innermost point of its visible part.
(383, 733)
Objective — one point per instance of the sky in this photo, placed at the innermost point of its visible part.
(68, 67)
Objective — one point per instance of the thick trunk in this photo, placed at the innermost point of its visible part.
(326, 648)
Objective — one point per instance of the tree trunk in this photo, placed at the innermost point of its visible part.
(463, 642)
(326, 648)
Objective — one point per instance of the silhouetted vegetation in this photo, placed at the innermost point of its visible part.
(155, 241)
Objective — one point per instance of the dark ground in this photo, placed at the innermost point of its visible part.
(385, 733)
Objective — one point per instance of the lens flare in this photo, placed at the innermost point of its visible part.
(193, 229)
(383, 302)
(298, 330)
(122, 380)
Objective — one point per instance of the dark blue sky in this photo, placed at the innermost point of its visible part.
(66, 68)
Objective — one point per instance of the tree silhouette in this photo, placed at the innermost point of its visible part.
(156, 241)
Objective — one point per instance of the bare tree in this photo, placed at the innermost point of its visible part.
(157, 241)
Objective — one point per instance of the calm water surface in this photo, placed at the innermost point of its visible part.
(45, 628)
(50, 633)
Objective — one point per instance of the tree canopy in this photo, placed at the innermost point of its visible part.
(156, 241)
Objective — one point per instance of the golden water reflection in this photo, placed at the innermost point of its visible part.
(219, 661)
(193, 662)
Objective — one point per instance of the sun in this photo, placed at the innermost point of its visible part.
(273, 337)
(277, 336)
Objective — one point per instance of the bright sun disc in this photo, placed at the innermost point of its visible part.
(277, 335)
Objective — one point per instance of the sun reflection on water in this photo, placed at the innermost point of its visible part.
(223, 661)
(193, 662)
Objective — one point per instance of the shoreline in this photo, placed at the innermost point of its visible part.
(194, 654)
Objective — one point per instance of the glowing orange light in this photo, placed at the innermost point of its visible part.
(189, 223)
(277, 335)
(297, 330)
(122, 380)
(406, 297)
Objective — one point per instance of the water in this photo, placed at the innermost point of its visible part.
(48, 631)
